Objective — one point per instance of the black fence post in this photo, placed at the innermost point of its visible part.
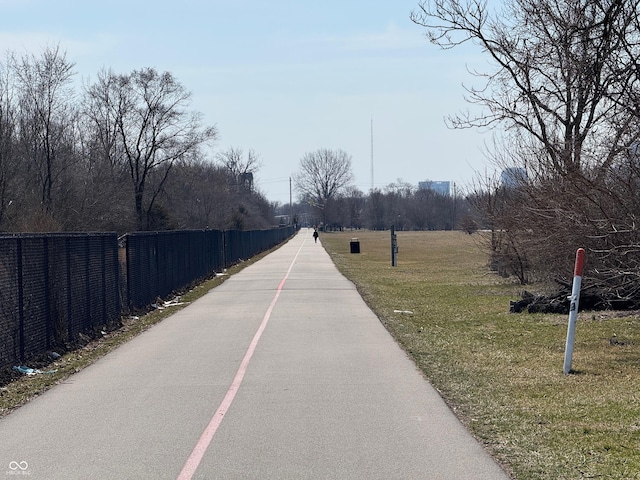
(103, 278)
(49, 322)
(69, 304)
(87, 284)
(20, 299)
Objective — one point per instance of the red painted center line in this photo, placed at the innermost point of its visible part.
(199, 450)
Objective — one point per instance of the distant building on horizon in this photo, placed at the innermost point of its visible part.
(443, 188)
(513, 177)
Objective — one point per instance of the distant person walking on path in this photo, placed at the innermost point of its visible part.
(315, 235)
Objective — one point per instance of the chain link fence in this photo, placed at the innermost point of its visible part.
(53, 288)
(56, 287)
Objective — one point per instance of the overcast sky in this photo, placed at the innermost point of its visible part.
(282, 77)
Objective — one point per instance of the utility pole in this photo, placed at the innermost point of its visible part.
(290, 204)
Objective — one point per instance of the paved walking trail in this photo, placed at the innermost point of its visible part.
(282, 372)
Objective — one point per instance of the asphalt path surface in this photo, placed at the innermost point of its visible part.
(281, 372)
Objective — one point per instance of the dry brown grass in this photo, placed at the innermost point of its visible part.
(500, 372)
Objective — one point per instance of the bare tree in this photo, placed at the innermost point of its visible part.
(196, 194)
(561, 70)
(46, 119)
(126, 139)
(354, 201)
(143, 124)
(322, 176)
(375, 210)
(241, 168)
(7, 145)
(564, 88)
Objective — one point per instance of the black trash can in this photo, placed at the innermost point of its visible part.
(355, 245)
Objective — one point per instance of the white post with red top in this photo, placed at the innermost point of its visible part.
(573, 309)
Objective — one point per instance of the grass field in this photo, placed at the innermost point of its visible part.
(500, 372)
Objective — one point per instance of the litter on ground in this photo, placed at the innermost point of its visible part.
(30, 371)
(170, 303)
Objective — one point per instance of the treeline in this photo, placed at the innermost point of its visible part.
(400, 205)
(562, 93)
(121, 153)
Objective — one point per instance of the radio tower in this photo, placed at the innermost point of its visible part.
(372, 154)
